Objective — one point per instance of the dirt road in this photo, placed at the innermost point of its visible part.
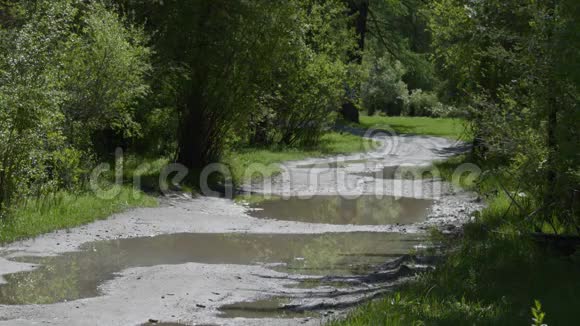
(186, 260)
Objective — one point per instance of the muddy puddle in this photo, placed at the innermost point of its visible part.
(266, 308)
(364, 210)
(78, 275)
(402, 172)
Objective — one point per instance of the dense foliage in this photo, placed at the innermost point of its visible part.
(185, 79)
(68, 71)
(193, 80)
(263, 81)
(399, 77)
(237, 71)
(514, 65)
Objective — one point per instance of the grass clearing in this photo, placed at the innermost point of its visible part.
(65, 210)
(265, 162)
(442, 127)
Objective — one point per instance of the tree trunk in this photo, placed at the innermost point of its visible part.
(350, 112)
(551, 173)
(550, 195)
(192, 143)
(360, 8)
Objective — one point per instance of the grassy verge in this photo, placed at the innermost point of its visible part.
(333, 143)
(493, 275)
(64, 210)
(491, 278)
(267, 159)
(442, 127)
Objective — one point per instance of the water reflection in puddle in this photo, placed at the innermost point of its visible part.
(364, 210)
(78, 274)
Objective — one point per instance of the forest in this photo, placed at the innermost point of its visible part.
(235, 81)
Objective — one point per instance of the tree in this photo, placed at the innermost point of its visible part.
(104, 67)
(398, 30)
(213, 53)
(308, 82)
(237, 70)
(383, 89)
(507, 59)
(64, 64)
(29, 96)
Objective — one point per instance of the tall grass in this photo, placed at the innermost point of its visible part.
(492, 276)
(65, 210)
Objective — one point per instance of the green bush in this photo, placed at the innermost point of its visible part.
(102, 64)
(68, 70)
(383, 89)
(309, 78)
(422, 103)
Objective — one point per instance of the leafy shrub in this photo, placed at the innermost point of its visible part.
(383, 89)
(307, 86)
(441, 110)
(422, 103)
(104, 64)
(68, 70)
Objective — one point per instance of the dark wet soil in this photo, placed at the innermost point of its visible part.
(364, 210)
(402, 172)
(78, 275)
(266, 308)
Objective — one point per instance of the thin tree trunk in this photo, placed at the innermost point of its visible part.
(360, 8)
(551, 173)
(552, 124)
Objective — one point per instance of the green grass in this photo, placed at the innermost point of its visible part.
(265, 161)
(492, 276)
(147, 170)
(417, 309)
(442, 127)
(64, 210)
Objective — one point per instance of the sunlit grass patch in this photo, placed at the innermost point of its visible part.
(267, 159)
(442, 127)
(420, 309)
(65, 210)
